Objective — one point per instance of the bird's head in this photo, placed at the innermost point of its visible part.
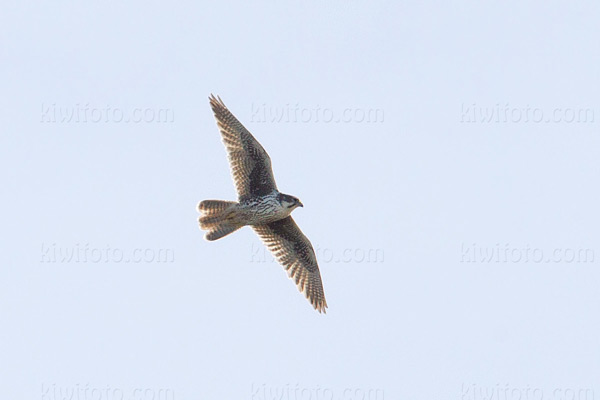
(290, 202)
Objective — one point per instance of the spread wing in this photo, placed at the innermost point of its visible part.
(293, 250)
(250, 164)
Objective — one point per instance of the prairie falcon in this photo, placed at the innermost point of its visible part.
(261, 206)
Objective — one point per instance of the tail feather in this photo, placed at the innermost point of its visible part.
(208, 207)
(218, 218)
(220, 231)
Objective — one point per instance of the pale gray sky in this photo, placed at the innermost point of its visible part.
(447, 154)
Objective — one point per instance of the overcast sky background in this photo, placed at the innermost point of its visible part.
(429, 188)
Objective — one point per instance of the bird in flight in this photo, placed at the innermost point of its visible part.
(261, 206)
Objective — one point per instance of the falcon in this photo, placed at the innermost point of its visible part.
(261, 206)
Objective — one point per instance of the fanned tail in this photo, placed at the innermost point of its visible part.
(218, 217)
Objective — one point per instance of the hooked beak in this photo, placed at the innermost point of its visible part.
(300, 204)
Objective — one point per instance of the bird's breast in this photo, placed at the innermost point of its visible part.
(262, 211)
